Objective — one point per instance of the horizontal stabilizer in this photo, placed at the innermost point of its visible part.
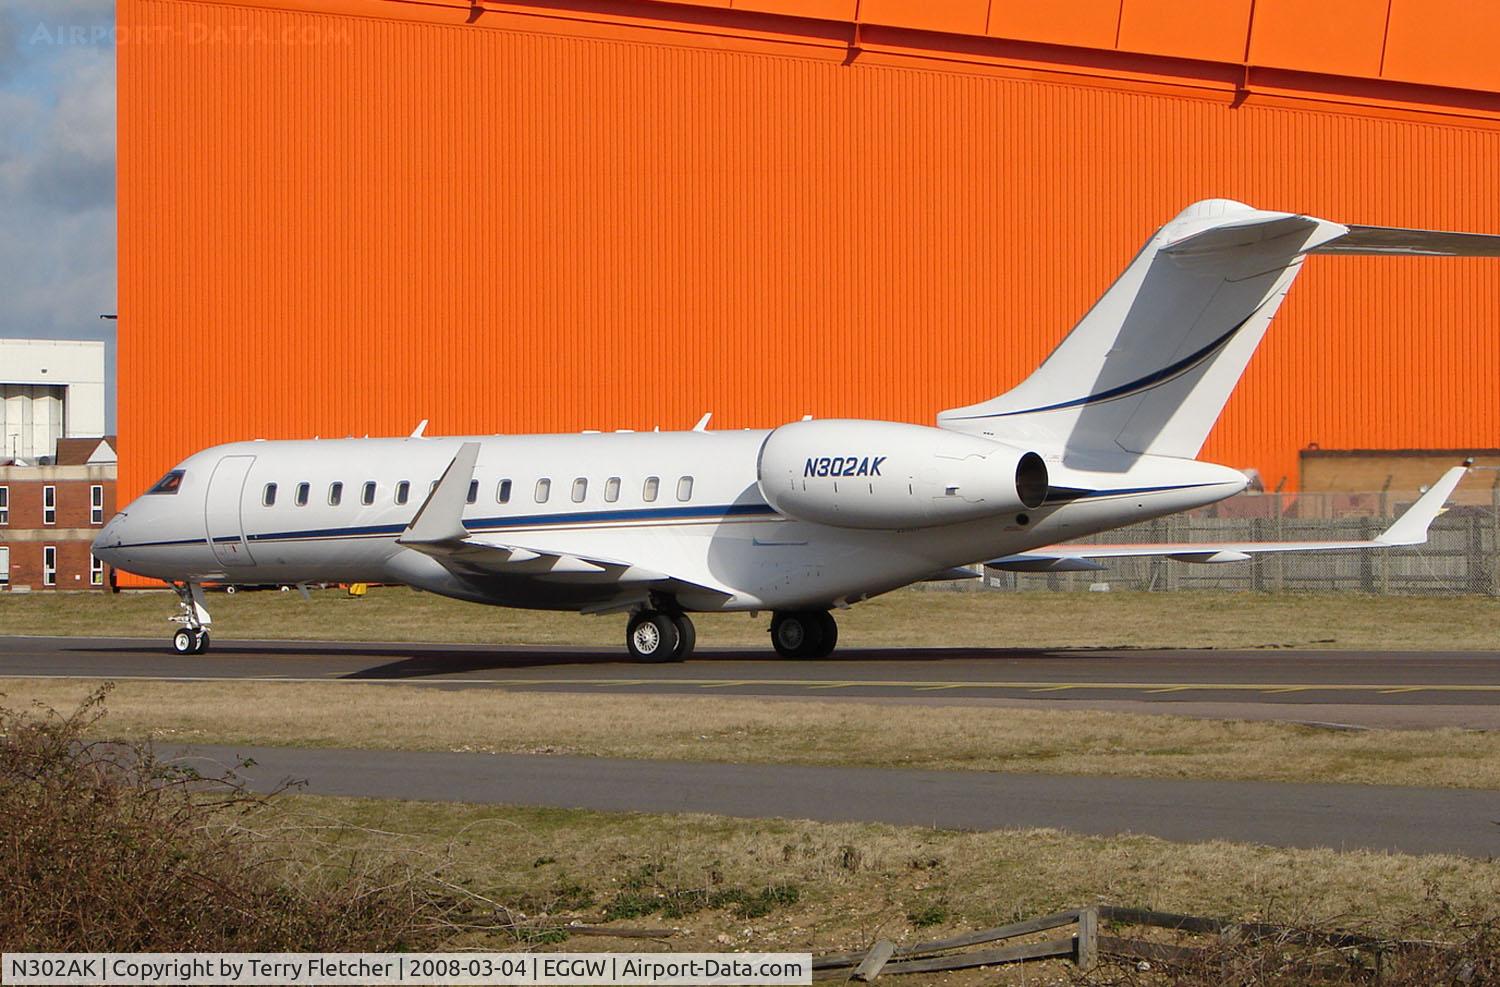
(1409, 529)
(1394, 240)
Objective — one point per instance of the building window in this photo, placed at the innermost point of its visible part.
(4, 505)
(304, 490)
(49, 566)
(648, 492)
(367, 496)
(685, 489)
(4, 566)
(49, 505)
(580, 490)
(543, 490)
(96, 571)
(96, 504)
(473, 492)
(502, 492)
(335, 493)
(268, 496)
(612, 489)
(403, 491)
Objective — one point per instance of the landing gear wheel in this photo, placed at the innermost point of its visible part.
(687, 637)
(797, 634)
(202, 644)
(829, 631)
(652, 636)
(185, 642)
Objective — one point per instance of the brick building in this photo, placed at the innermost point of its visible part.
(49, 516)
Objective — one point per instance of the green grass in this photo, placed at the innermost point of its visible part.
(907, 618)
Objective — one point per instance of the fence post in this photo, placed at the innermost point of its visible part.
(1366, 559)
(1480, 572)
(1088, 937)
(1495, 534)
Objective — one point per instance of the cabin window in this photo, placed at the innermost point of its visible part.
(612, 489)
(502, 492)
(403, 491)
(335, 493)
(543, 490)
(367, 496)
(268, 495)
(96, 504)
(580, 490)
(304, 491)
(648, 491)
(685, 489)
(49, 566)
(168, 484)
(473, 492)
(49, 505)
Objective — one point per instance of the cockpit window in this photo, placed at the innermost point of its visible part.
(168, 484)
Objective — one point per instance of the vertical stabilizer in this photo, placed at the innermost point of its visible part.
(1149, 368)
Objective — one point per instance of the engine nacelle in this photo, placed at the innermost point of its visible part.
(870, 474)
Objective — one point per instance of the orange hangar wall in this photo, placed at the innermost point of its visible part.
(343, 216)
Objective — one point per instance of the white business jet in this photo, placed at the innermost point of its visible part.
(800, 519)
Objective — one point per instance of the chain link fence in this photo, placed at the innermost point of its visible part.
(1460, 556)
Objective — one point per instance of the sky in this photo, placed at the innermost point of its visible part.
(57, 171)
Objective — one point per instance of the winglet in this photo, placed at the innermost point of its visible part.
(702, 425)
(440, 518)
(416, 433)
(1411, 528)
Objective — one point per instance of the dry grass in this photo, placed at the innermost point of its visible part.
(909, 618)
(393, 717)
(858, 882)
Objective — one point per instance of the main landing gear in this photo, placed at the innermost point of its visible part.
(657, 637)
(804, 634)
(192, 637)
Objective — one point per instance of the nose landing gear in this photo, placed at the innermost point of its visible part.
(192, 637)
(804, 634)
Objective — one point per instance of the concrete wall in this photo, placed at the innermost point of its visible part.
(49, 389)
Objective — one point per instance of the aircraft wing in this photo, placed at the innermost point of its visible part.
(438, 531)
(1409, 529)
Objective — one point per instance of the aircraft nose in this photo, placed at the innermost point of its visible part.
(110, 538)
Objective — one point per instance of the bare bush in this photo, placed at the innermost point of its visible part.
(105, 846)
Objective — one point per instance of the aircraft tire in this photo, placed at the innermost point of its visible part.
(828, 629)
(652, 636)
(200, 645)
(798, 634)
(687, 637)
(185, 642)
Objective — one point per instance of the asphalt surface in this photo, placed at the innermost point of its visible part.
(1409, 820)
(1400, 689)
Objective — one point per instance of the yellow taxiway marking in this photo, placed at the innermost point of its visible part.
(911, 684)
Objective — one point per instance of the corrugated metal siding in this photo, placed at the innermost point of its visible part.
(338, 225)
